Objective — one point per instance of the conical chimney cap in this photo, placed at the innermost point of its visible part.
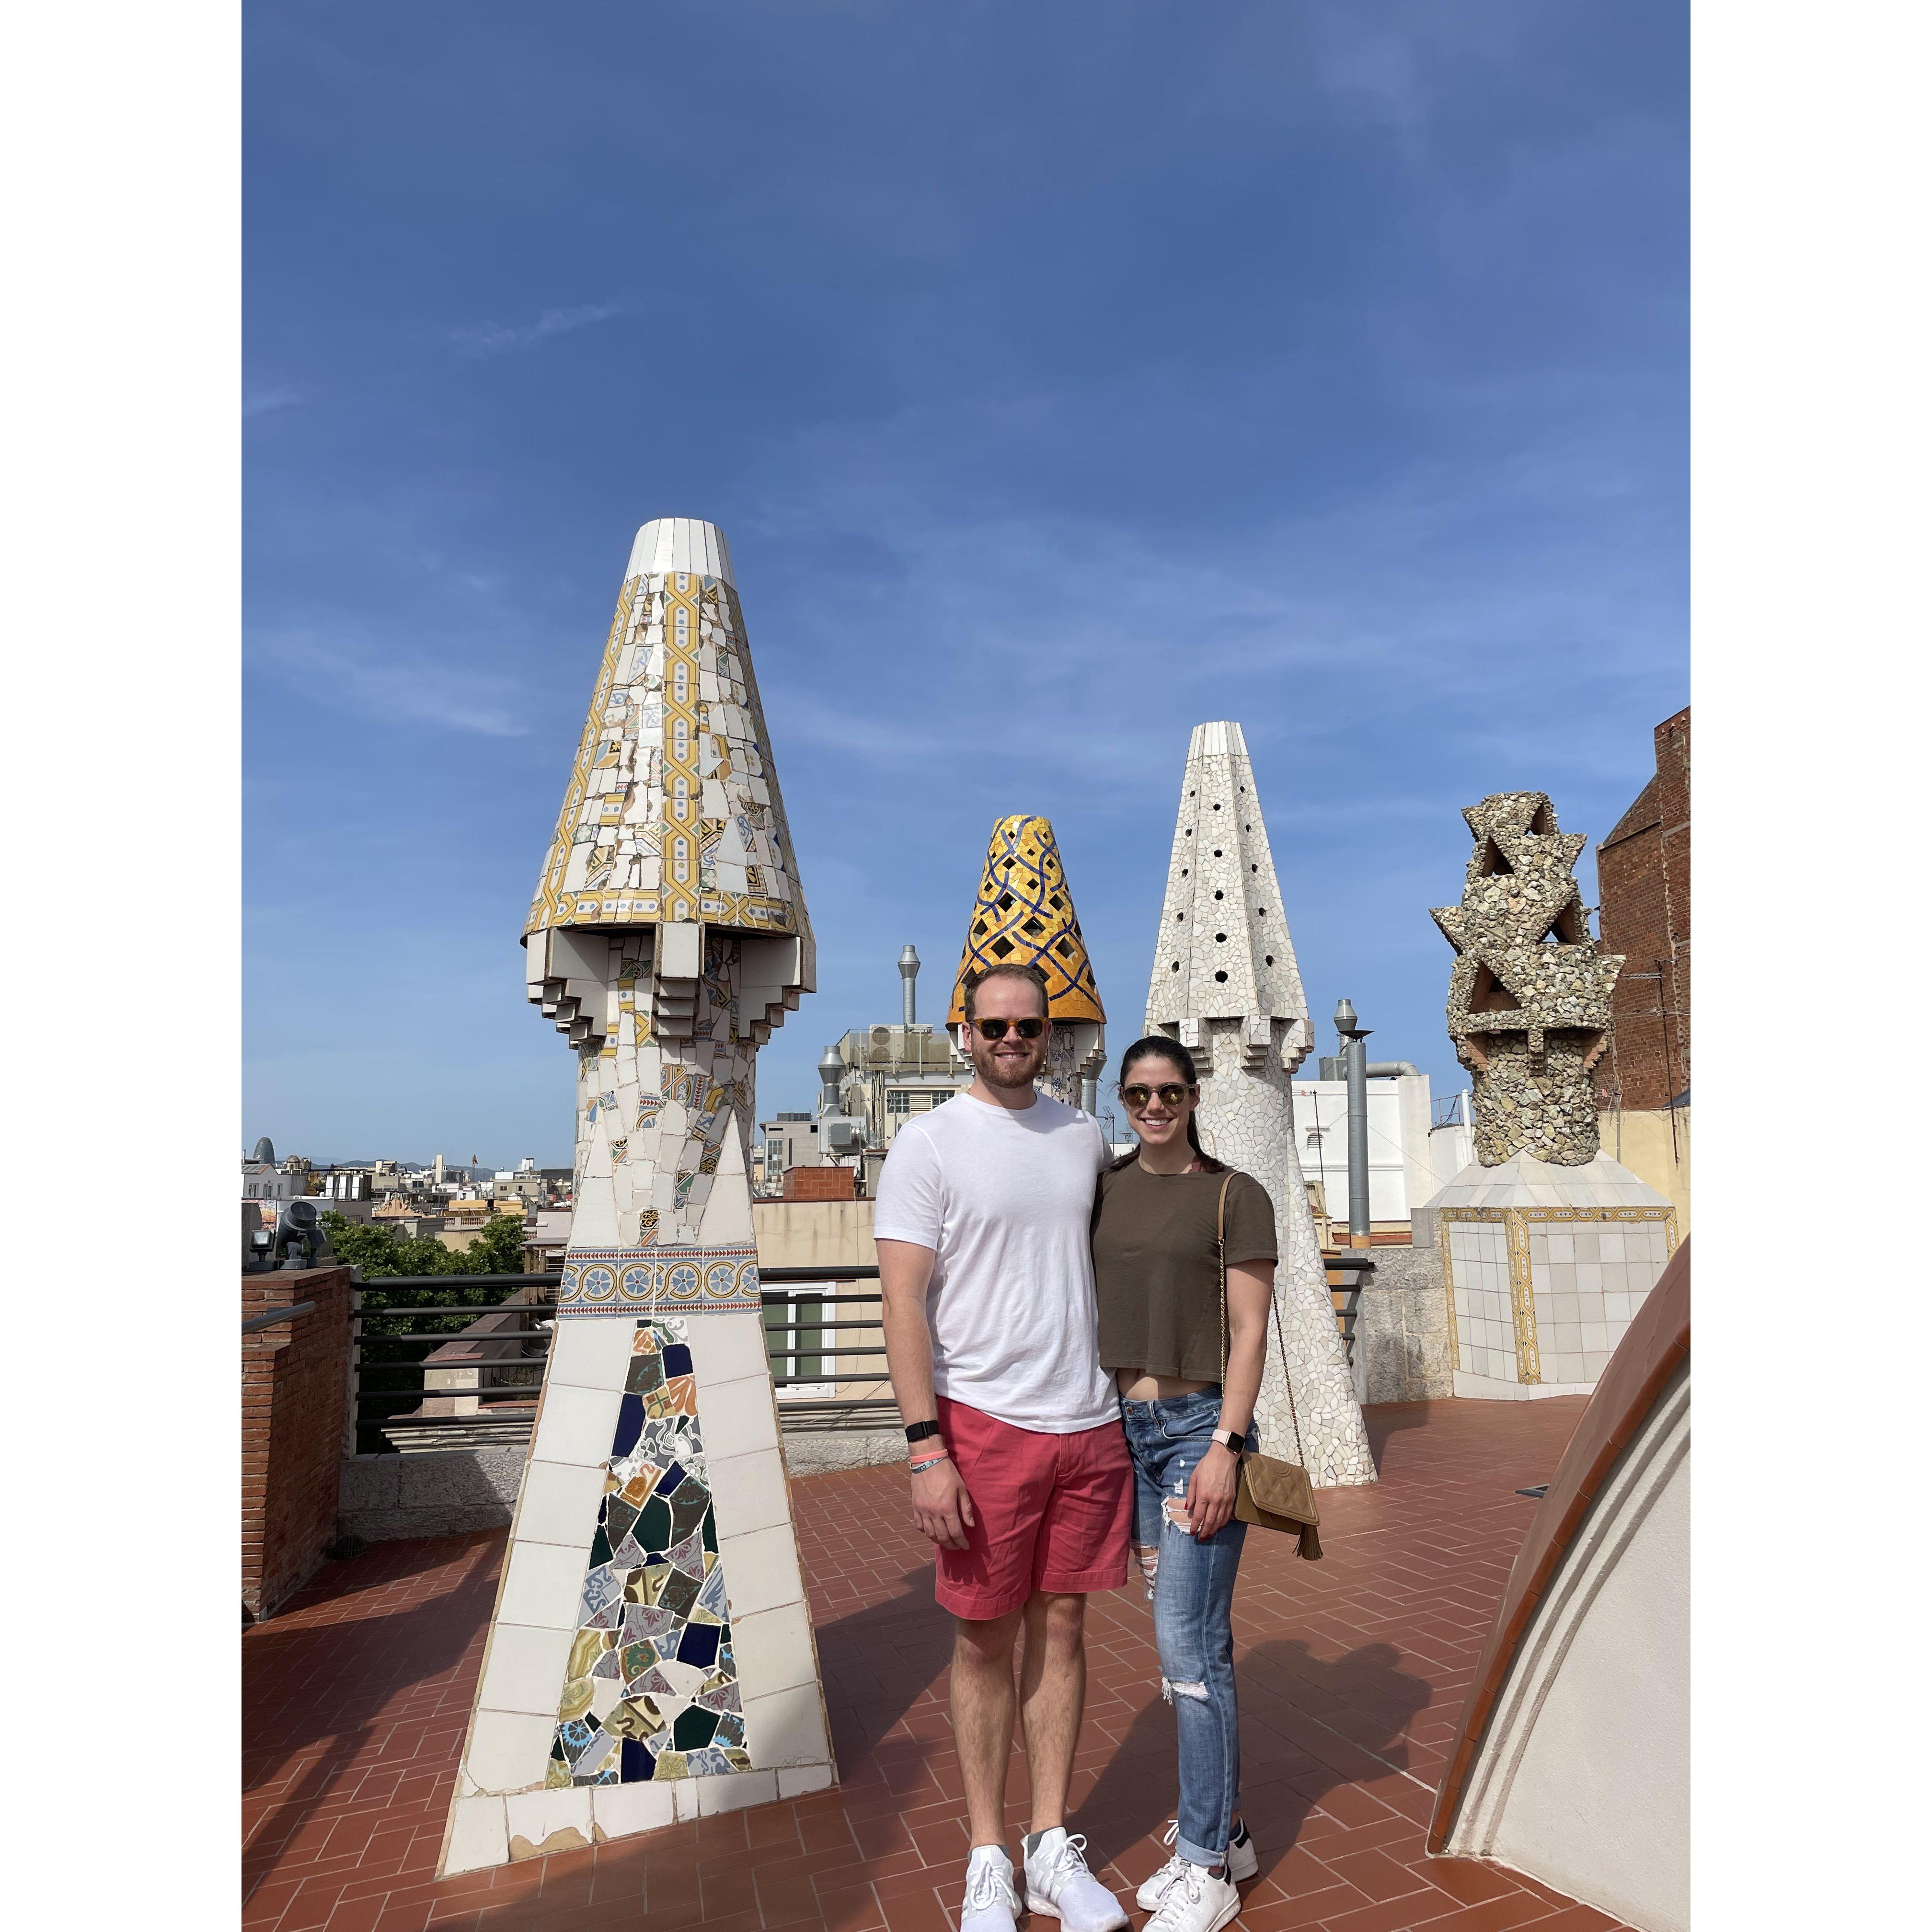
(681, 543)
(1024, 916)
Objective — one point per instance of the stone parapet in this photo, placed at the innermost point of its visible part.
(1402, 1329)
(294, 1397)
(445, 1493)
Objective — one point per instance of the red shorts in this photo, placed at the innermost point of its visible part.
(1051, 1512)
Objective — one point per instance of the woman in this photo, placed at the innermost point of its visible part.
(1157, 1273)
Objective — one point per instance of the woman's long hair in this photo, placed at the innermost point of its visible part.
(1158, 1046)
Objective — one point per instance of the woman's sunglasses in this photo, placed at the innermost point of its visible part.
(1171, 1095)
(1027, 1029)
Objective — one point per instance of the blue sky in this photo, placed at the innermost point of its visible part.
(1062, 376)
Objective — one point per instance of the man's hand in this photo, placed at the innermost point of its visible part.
(940, 1506)
(1211, 1490)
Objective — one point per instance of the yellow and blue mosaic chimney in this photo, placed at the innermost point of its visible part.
(651, 1643)
(1023, 915)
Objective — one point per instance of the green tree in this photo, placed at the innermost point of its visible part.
(394, 1346)
(498, 1249)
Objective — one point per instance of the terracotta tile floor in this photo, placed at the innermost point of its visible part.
(1353, 1671)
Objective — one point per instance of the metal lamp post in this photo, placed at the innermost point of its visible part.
(1355, 1054)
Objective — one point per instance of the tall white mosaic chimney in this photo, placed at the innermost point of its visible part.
(1225, 984)
(651, 1656)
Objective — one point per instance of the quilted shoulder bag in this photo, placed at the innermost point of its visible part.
(1269, 1493)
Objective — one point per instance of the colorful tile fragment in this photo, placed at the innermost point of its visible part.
(653, 1618)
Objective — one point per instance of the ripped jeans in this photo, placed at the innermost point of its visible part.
(1192, 1585)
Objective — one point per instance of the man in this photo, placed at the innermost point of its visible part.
(1019, 1470)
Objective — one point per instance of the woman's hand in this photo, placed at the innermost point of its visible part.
(1211, 1490)
(940, 1506)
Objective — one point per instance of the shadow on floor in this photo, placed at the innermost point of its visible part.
(1383, 1419)
(283, 1661)
(1362, 1695)
(877, 1662)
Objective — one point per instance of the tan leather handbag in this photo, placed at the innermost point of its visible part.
(1269, 1493)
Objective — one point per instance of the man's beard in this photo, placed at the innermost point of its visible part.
(1009, 1073)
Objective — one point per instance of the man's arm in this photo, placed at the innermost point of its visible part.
(939, 1503)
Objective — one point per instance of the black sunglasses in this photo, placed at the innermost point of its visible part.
(1027, 1029)
(1171, 1093)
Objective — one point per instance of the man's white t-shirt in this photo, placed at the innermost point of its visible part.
(1004, 1198)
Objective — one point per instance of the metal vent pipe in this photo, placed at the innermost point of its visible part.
(909, 987)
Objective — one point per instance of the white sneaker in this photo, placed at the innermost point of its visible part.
(1059, 1884)
(992, 1903)
(1196, 1901)
(1242, 1863)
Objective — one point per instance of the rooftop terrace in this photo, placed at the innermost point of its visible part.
(1352, 1672)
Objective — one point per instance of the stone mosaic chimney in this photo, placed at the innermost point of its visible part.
(651, 1653)
(1529, 994)
(1225, 984)
(1023, 915)
(1548, 1245)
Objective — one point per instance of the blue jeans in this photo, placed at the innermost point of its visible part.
(1193, 1588)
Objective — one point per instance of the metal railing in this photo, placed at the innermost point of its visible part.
(255, 1323)
(795, 1332)
(493, 1344)
(498, 1336)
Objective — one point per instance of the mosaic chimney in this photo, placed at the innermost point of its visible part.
(1529, 994)
(651, 1654)
(1225, 984)
(1548, 1246)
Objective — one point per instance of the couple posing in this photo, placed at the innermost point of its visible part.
(1053, 1324)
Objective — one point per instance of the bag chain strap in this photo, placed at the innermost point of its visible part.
(1274, 1309)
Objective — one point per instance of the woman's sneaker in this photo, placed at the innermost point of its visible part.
(1242, 1865)
(1196, 1901)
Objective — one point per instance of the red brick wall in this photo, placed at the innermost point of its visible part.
(819, 1183)
(1643, 880)
(294, 1392)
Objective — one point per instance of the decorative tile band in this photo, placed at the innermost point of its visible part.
(630, 1282)
(1667, 1215)
(651, 1692)
(1523, 1299)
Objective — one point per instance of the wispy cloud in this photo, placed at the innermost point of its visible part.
(260, 402)
(498, 338)
(397, 688)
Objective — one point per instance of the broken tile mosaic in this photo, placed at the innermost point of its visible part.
(652, 1691)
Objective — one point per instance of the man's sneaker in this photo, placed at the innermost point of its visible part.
(992, 1903)
(1242, 1865)
(1059, 1884)
(1196, 1901)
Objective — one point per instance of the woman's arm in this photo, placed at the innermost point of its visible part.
(1211, 1491)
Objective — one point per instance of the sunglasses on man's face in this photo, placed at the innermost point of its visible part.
(1138, 1098)
(1027, 1029)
